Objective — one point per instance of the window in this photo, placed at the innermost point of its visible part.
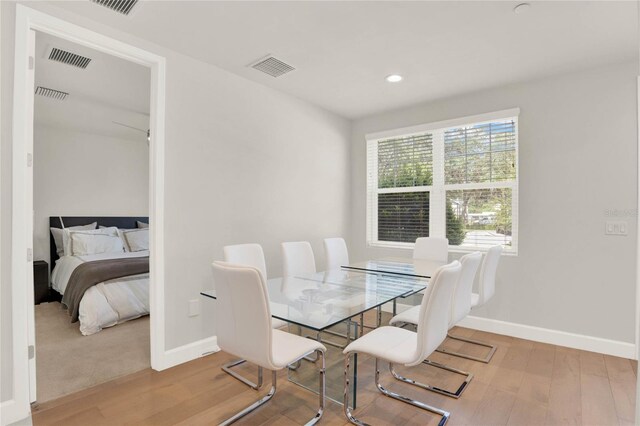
(456, 179)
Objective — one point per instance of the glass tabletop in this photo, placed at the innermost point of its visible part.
(321, 300)
(398, 266)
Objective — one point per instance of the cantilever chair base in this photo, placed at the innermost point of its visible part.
(492, 349)
(227, 368)
(255, 405)
(272, 392)
(347, 410)
(456, 394)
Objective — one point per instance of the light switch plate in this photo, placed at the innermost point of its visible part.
(194, 308)
(616, 228)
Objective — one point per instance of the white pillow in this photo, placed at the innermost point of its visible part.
(67, 241)
(135, 239)
(142, 225)
(57, 235)
(124, 240)
(84, 244)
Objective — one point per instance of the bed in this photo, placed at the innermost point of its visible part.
(105, 303)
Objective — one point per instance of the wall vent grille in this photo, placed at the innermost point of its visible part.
(272, 66)
(121, 6)
(69, 58)
(51, 93)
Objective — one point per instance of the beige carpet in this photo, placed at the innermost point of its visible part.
(67, 361)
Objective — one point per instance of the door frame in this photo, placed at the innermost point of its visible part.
(28, 19)
(637, 313)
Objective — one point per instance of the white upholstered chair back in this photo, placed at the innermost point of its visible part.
(431, 248)
(461, 305)
(247, 255)
(435, 310)
(243, 310)
(487, 283)
(297, 259)
(336, 253)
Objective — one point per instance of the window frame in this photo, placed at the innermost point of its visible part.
(438, 189)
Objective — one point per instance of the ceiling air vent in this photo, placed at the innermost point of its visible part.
(272, 66)
(69, 58)
(120, 6)
(51, 93)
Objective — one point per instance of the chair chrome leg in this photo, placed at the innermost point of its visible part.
(255, 405)
(272, 391)
(436, 389)
(445, 414)
(294, 366)
(321, 389)
(475, 342)
(227, 368)
(347, 408)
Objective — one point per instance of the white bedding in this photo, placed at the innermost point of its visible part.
(108, 303)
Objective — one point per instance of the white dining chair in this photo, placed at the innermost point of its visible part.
(297, 259)
(248, 255)
(486, 290)
(336, 253)
(244, 303)
(431, 248)
(396, 345)
(460, 308)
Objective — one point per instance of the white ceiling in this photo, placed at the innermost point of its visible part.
(109, 89)
(343, 50)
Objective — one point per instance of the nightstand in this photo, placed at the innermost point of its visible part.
(40, 281)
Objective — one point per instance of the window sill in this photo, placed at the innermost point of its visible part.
(452, 249)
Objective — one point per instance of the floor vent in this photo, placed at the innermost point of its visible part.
(120, 6)
(69, 58)
(51, 93)
(272, 66)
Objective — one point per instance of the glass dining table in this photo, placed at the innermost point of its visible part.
(322, 306)
(421, 268)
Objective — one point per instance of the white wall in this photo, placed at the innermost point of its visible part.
(578, 158)
(82, 174)
(243, 163)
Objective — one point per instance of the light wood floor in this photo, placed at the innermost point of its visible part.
(526, 383)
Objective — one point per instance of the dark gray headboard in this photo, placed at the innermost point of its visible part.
(122, 222)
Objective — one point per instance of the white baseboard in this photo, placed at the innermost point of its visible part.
(543, 335)
(554, 337)
(11, 412)
(189, 352)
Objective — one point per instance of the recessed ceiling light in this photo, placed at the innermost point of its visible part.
(521, 8)
(394, 78)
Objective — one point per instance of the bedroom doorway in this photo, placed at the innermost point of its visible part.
(90, 234)
(28, 21)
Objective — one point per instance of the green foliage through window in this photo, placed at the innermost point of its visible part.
(478, 165)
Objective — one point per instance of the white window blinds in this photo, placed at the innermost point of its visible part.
(456, 181)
